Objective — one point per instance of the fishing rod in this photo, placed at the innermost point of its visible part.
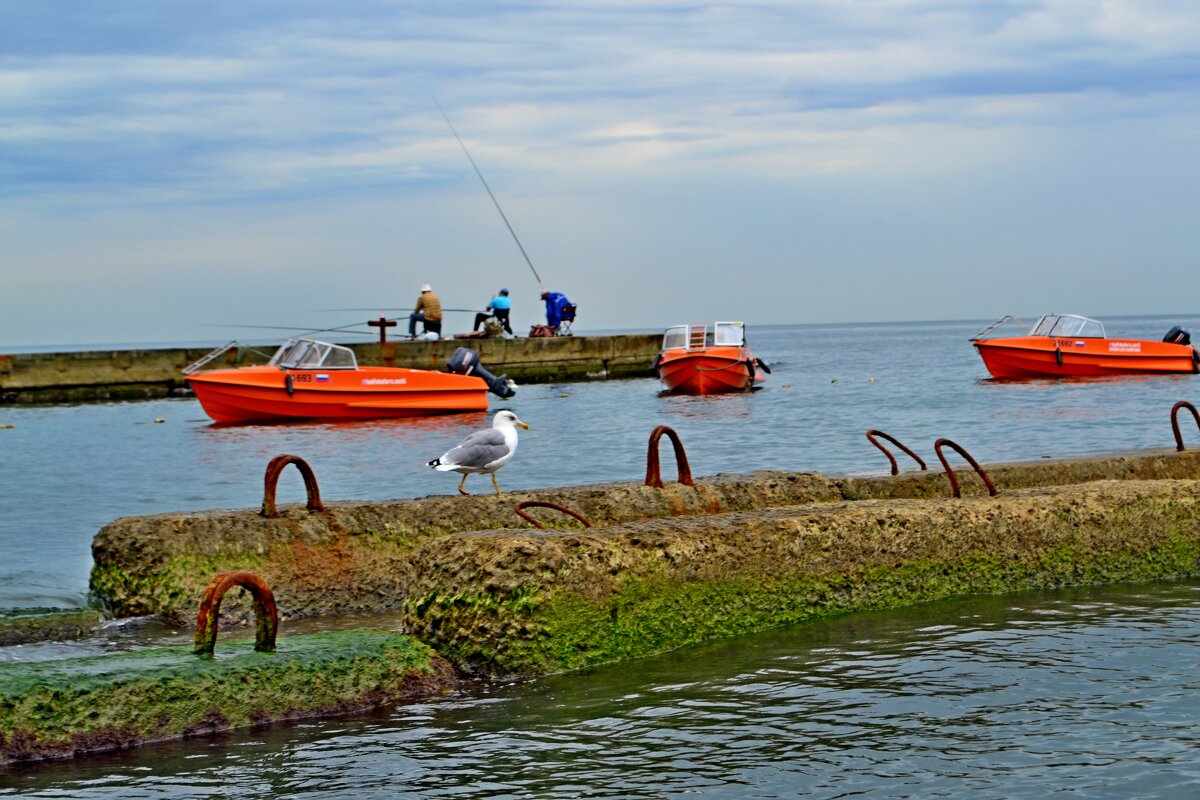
(495, 202)
(305, 331)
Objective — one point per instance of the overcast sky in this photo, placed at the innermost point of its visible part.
(170, 167)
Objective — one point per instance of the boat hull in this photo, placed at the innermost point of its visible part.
(270, 394)
(714, 370)
(1041, 356)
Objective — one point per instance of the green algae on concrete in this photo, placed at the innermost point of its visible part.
(23, 625)
(58, 709)
(509, 602)
(357, 556)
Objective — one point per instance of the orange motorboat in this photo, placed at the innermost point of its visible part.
(1070, 345)
(695, 361)
(309, 379)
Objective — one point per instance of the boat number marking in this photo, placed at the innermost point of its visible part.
(301, 377)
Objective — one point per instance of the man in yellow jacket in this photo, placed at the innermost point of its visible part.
(428, 311)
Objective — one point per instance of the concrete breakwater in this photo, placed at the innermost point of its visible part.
(482, 593)
(363, 556)
(148, 373)
(519, 603)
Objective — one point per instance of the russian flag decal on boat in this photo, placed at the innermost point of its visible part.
(322, 377)
(1077, 344)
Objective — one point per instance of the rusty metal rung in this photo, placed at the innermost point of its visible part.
(271, 483)
(871, 434)
(653, 472)
(937, 447)
(524, 504)
(1175, 421)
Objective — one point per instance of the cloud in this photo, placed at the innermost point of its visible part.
(137, 110)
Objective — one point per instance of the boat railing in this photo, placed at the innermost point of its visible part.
(1007, 318)
(200, 363)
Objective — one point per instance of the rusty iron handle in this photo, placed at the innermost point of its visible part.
(871, 434)
(1175, 421)
(266, 617)
(271, 482)
(524, 504)
(653, 474)
(937, 447)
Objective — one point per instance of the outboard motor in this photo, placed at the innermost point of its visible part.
(466, 362)
(1178, 335)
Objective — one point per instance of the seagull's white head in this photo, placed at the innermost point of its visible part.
(505, 419)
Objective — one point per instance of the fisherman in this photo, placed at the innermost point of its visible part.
(498, 307)
(428, 310)
(555, 303)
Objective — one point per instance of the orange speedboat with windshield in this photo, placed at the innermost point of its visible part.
(696, 361)
(1070, 345)
(309, 379)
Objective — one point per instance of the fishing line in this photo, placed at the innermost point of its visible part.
(490, 194)
(468, 310)
(306, 331)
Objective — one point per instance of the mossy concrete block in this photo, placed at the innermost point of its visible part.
(357, 556)
(510, 602)
(57, 709)
(354, 557)
(22, 625)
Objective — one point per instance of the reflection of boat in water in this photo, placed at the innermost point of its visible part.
(1071, 345)
(308, 379)
(695, 361)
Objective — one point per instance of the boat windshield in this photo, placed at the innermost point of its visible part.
(311, 354)
(1068, 325)
(729, 334)
(675, 338)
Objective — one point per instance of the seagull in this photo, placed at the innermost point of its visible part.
(483, 451)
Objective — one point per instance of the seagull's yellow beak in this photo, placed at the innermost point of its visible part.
(523, 425)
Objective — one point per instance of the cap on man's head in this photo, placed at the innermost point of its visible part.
(504, 291)
(545, 295)
(425, 287)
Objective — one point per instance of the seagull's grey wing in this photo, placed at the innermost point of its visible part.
(477, 450)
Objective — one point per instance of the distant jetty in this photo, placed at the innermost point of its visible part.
(68, 377)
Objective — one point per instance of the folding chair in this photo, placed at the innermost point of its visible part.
(568, 316)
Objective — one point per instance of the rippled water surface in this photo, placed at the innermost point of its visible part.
(1081, 693)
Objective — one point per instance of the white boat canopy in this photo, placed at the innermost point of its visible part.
(1068, 326)
(311, 354)
(696, 337)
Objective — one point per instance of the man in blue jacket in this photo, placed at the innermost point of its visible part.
(499, 307)
(555, 303)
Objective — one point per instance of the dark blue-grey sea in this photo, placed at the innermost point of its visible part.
(1086, 692)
